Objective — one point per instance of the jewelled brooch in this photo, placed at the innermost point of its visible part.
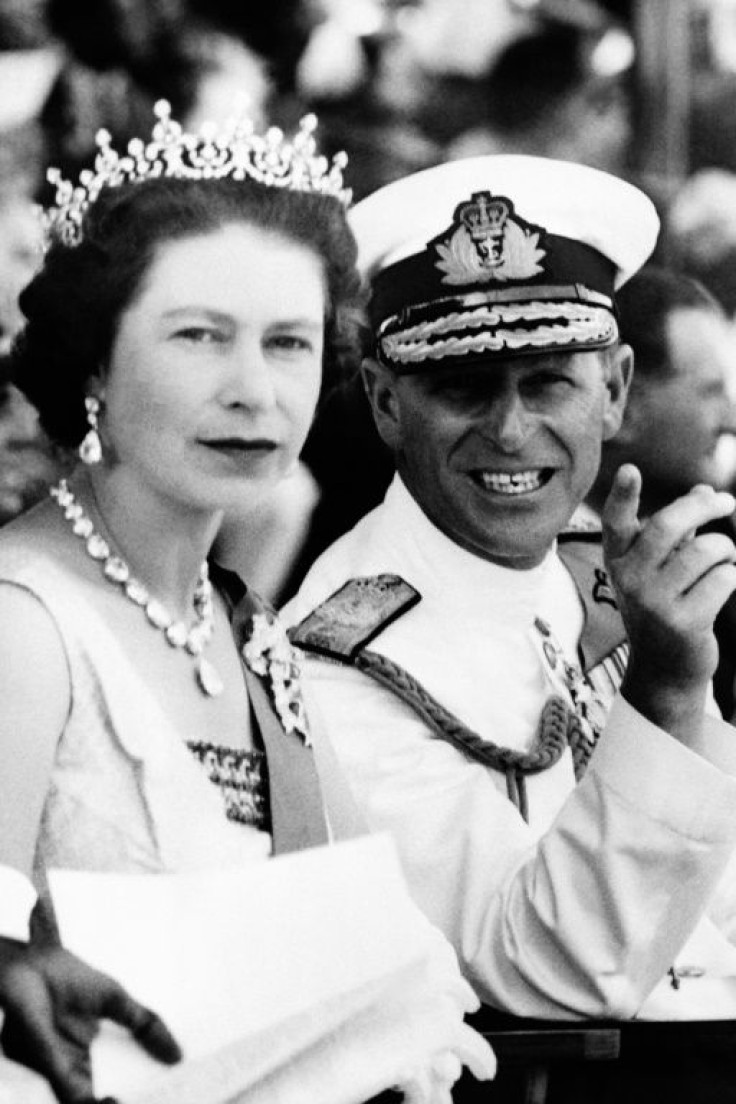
(268, 653)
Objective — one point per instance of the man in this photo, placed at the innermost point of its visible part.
(466, 661)
(558, 90)
(681, 403)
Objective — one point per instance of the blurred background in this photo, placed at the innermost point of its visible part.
(643, 88)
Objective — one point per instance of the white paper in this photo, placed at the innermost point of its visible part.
(248, 967)
(19, 1085)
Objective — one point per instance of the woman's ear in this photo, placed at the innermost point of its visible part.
(619, 374)
(96, 383)
(380, 387)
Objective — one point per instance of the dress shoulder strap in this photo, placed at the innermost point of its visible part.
(24, 567)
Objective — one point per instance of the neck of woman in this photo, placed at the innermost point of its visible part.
(162, 540)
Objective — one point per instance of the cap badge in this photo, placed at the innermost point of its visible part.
(487, 242)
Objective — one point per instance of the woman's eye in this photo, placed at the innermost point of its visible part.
(200, 335)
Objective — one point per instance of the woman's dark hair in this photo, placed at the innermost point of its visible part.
(74, 303)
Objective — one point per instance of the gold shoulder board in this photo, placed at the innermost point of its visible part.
(351, 617)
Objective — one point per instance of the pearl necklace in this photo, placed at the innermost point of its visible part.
(191, 640)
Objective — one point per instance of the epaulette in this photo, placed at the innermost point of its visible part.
(351, 617)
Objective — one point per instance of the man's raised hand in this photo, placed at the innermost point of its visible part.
(670, 582)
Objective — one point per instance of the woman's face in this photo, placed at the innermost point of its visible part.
(216, 366)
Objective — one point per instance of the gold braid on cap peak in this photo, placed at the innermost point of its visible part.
(234, 151)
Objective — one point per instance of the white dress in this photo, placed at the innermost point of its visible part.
(126, 792)
(127, 795)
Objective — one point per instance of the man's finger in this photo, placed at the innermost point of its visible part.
(705, 599)
(621, 523)
(144, 1025)
(694, 558)
(673, 526)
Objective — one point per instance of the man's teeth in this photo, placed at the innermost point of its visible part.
(511, 483)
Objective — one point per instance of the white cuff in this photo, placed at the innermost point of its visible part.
(653, 770)
(17, 898)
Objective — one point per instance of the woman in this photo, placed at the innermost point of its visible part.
(189, 299)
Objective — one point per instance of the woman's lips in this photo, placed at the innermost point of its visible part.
(242, 444)
(240, 449)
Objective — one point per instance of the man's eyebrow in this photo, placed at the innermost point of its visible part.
(300, 322)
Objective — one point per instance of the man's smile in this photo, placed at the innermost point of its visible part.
(511, 483)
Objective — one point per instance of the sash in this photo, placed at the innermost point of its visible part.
(297, 812)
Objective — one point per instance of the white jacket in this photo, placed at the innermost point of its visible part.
(583, 910)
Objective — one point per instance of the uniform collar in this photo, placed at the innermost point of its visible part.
(432, 557)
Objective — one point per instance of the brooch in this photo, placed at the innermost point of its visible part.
(268, 653)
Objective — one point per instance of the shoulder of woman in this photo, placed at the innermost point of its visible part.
(34, 672)
(36, 699)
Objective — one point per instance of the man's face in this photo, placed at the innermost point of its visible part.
(499, 455)
(678, 421)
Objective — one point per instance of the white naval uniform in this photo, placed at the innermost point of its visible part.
(581, 911)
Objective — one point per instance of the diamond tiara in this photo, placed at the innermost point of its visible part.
(235, 151)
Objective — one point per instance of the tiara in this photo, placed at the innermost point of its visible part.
(236, 151)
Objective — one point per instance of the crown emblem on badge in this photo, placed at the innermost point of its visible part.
(235, 151)
(487, 241)
(485, 218)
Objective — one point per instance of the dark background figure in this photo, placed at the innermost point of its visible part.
(558, 91)
(680, 405)
(680, 417)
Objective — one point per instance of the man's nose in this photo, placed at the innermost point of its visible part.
(507, 422)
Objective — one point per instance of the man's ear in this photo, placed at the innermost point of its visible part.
(381, 388)
(619, 374)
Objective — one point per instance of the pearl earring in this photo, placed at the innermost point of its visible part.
(90, 450)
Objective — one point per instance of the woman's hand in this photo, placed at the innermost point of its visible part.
(670, 584)
(53, 1003)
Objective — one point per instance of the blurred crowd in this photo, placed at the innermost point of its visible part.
(401, 85)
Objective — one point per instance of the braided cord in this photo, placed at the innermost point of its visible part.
(550, 741)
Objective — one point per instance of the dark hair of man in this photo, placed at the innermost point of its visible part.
(644, 305)
(74, 303)
(533, 72)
